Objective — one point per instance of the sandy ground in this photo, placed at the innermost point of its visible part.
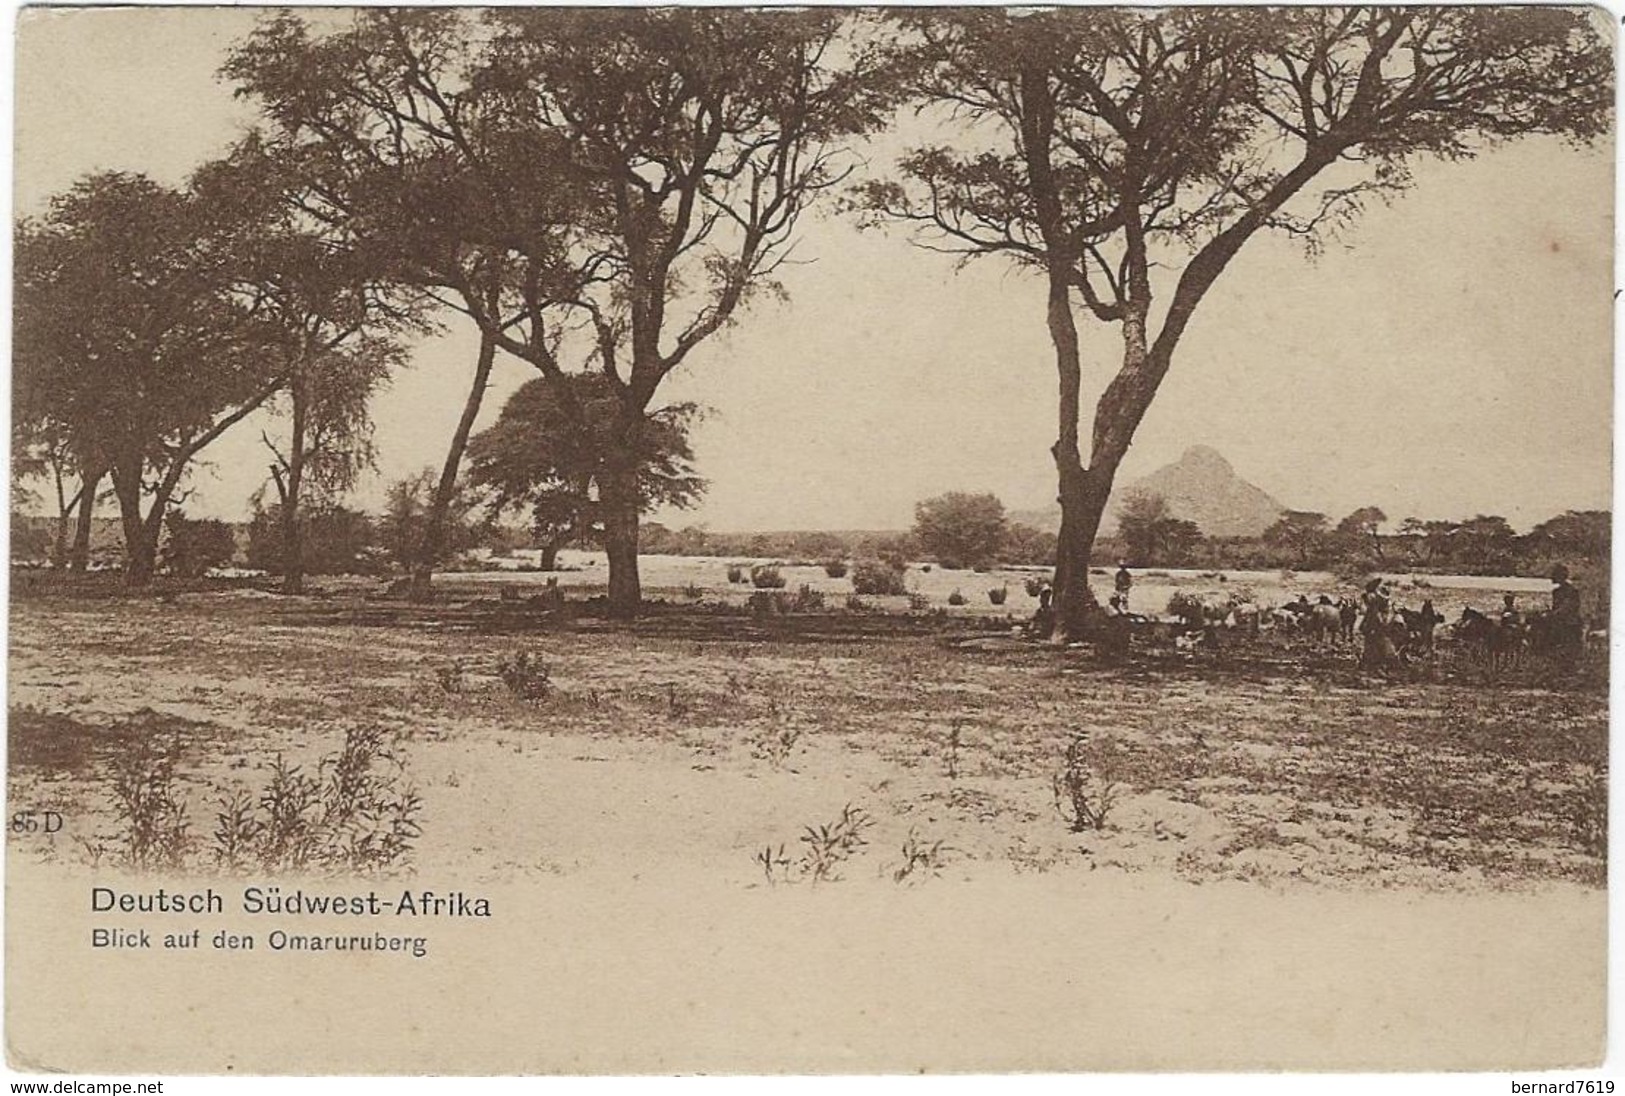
(1302, 869)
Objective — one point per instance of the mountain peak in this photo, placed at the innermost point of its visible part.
(1207, 456)
(1201, 486)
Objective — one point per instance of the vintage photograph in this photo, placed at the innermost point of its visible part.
(809, 541)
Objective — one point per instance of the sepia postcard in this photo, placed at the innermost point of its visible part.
(650, 541)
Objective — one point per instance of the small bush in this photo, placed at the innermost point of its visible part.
(920, 861)
(354, 815)
(766, 577)
(451, 677)
(918, 602)
(807, 600)
(956, 598)
(350, 815)
(828, 847)
(855, 604)
(1033, 586)
(151, 809)
(998, 594)
(694, 592)
(736, 573)
(525, 677)
(776, 747)
(776, 866)
(877, 578)
(1086, 788)
(835, 568)
(769, 602)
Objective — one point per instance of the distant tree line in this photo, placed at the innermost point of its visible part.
(1307, 540)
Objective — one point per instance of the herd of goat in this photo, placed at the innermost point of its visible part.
(1498, 639)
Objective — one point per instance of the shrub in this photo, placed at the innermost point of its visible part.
(829, 846)
(807, 600)
(1086, 788)
(998, 594)
(525, 677)
(855, 604)
(736, 573)
(355, 815)
(877, 578)
(918, 602)
(956, 598)
(192, 547)
(961, 530)
(768, 602)
(835, 568)
(920, 861)
(826, 849)
(149, 806)
(352, 814)
(776, 747)
(450, 676)
(766, 577)
(1034, 586)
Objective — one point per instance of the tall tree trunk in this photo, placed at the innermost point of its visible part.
(140, 549)
(79, 557)
(1080, 506)
(64, 508)
(1117, 416)
(1072, 598)
(1081, 509)
(550, 557)
(621, 546)
(434, 533)
(293, 559)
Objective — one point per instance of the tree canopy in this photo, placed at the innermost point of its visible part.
(1129, 155)
(961, 530)
(137, 336)
(539, 458)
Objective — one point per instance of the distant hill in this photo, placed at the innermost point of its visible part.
(1200, 486)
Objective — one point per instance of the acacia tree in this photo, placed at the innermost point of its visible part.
(1150, 531)
(961, 530)
(338, 315)
(393, 149)
(633, 175)
(539, 458)
(1360, 527)
(42, 446)
(46, 406)
(1134, 153)
(409, 504)
(697, 138)
(129, 311)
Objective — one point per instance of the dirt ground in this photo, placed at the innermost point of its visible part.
(707, 756)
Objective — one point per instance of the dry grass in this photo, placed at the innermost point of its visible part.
(1274, 764)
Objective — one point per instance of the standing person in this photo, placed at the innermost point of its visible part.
(1568, 627)
(1379, 652)
(1123, 583)
(1043, 622)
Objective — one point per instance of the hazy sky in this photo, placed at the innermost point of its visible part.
(1453, 358)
